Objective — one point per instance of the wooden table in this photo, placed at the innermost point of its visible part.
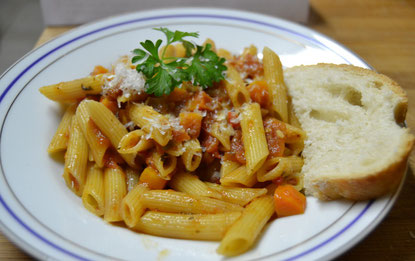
(382, 32)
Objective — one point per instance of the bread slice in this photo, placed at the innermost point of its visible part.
(356, 146)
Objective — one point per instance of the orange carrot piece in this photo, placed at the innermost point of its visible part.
(191, 122)
(178, 95)
(288, 201)
(110, 104)
(99, 70)
(150, 178)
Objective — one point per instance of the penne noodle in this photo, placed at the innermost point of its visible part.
(192, 185)
(236, 88)
(243, 233)
(97, 141)
(59, 141)
(223, 133)
(76, 159)
(240, 196)
(294, 134)
(132, 177)
(74, 90)
(253, 137)
(93, 195)
(239, 177)
(165, 164)
(110, 126)
(279, 166)
(152, 122)
(115, 190)
(185, 226)
(132, 206)
(133, 142)
(277, 89)
(174, 149)
(178, 202)
(227, 167)
(192, 155)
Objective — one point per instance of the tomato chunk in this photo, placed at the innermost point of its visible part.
(275, 132)
(258, 90)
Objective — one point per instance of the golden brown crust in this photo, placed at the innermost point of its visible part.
(369, 186)
(383, 181)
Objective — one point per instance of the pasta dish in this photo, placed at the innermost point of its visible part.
(183, 141)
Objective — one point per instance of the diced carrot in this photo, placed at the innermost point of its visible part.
(258, 90)
(200, 101)
(151, 179)
(178, 94)
(110, 104)
(99, 70)
(288, 201)
(180, 135)
(191, 122)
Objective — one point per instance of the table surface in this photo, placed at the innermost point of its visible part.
(382, 32)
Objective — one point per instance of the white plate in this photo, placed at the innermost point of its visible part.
(47, 220)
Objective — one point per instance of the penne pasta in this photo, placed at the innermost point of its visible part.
(97, 141)
(243, 233)
(278, 166)
(152, 122)
(294, 134)
(227, 167)
(192, 185)
(277, 89)
(115, 190)
(192, 155)
(164, 164)
(141, 145)
(236, 88)
(75, 90)
(185, 226)
(93, 194)
(253, 137)
(132, 177)
(238, 177)
(59, 141)
(132, 206)
(178, 202)
(76, 159)
(240, 196)
(110, 126)
(133, 142)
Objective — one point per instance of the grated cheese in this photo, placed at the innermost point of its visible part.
(126, 79)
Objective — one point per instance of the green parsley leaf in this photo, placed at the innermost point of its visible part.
(206, 67)
(163, 75)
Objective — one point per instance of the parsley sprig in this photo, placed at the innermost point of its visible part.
(202, 66)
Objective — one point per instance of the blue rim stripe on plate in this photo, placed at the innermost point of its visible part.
(156, 18)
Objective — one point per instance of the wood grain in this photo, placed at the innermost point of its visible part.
(382, 32)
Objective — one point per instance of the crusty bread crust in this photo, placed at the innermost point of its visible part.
(371, 185)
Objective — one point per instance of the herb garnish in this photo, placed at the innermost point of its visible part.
(202, 66)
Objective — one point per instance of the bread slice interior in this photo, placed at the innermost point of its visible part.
(356, 146)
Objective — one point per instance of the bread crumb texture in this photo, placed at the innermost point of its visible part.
(353, 119)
